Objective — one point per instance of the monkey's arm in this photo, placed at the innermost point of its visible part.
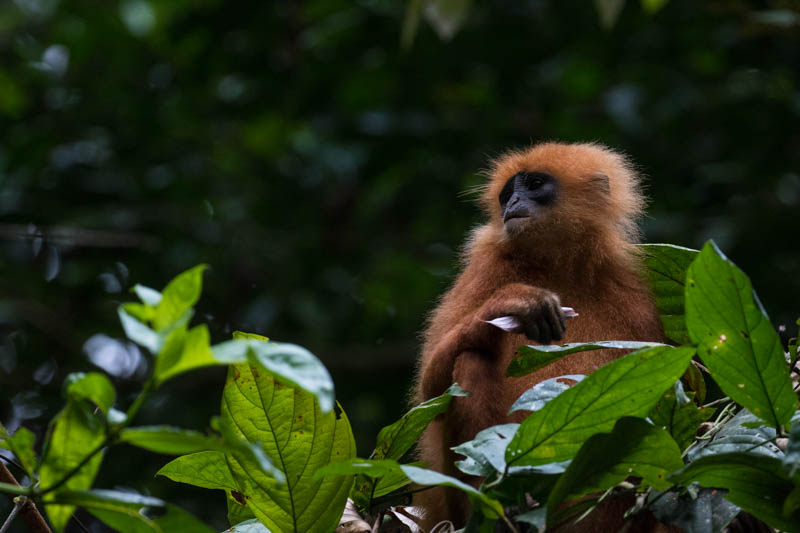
(538, 311)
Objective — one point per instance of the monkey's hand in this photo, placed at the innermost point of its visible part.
(538, 311)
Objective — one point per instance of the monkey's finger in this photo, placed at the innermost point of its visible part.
(555, 321)
(545, 331)
(532, 331)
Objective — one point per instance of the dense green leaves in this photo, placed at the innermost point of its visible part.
(396, 439)
(633, 448)
(735, 339)
(255, 407)
(383, 467)
(756, 483)
(485, 454)
(531, 358)
(132, 513)
(629, 386)
(666, 271)
(677, 413)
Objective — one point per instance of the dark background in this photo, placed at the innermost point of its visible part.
(320, 168)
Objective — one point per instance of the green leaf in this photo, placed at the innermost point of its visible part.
(735, 339)
(677, 413)
(255, 407)
(633, 448)
(396, 439)
(21, 444)
(201, 469)
(630, 386)
(295, 366)
(377, 468)
(74, 433)
(708, 512)
(666, 272)
(94, 387)
(532, 358)
(756, 483)
(485, 454)
(184, 351)
(238, 511)
(133, 513)
(179, 296)
(171, 440)
(537, 396)
(138, 331)
(149, 297)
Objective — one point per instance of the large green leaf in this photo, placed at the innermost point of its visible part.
(756, 483)
(74, 433)
(293, 365)
(171, 440)
(666, 272)
(677, 413)
(735, 339)
(629, 386)
(396, 439)
(532, 358)
(133, 513)
(633, 448)
(299, 438)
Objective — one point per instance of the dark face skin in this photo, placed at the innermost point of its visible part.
(524, 196)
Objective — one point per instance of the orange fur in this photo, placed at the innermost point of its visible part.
(581, 251)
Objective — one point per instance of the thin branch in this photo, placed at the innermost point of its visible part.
(33, 518)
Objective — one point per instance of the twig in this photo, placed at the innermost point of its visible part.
(35, 521)
(18, 503)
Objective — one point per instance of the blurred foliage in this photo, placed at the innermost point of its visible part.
(320, 168)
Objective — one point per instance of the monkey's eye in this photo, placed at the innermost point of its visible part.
(533, 181)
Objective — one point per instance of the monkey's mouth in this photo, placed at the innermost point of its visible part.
(511, 215)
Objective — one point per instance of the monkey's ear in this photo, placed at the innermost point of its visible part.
(600, 182)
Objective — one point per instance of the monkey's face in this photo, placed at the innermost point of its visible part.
(526, 197)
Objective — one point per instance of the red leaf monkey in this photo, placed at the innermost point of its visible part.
(561, 231)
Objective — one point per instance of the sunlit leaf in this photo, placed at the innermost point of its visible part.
(170, 440)
(248, 526)
(74, 433)
(202, 469)
(139, 332)
(255, 407)
(735, 338)
(629, 386)
(184, 351)
(93, 386)
(633, 448)
(148, 296)
(178, 297)
(532, 358)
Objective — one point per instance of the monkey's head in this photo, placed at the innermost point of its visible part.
(556, 191)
